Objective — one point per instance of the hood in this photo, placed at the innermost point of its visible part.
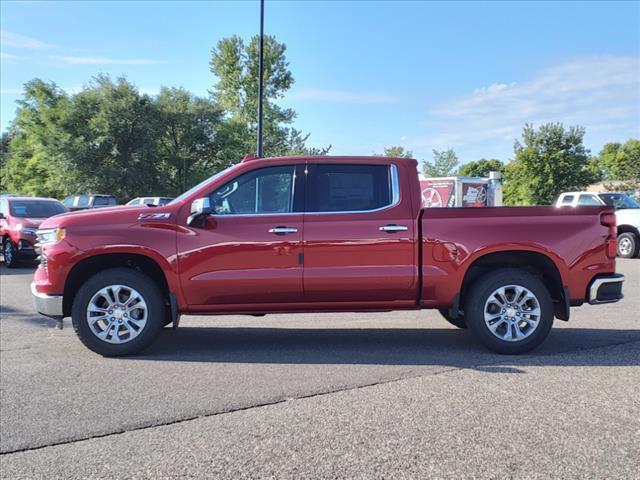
(29, 222)
(120, 214)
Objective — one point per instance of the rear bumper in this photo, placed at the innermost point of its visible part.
(48, 305)
(606, 289)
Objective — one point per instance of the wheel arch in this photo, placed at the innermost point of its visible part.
(89, 266)
(534, 262)
(624, 228)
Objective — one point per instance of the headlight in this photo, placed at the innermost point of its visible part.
(50, 235)
(21, 228)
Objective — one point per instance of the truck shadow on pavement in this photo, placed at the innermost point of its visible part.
(379, 346)
(26, 267)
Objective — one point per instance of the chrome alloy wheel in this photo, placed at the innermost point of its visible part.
(624, 246)
(512, 313)
(117, 314)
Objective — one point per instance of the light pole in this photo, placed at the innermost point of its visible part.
(260, 78)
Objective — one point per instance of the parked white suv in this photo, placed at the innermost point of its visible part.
(627, 215)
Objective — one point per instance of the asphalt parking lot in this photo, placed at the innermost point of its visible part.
(394, 395)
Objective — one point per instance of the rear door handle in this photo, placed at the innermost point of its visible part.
(393, 228)
(283, 230)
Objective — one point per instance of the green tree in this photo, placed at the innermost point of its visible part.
(481, 168)
(187, 139)
(5, 141)
(548, 161)
(235, 65)
(112, 131)
(621, 162)
(443, 164)
(33, 158)
(397, 152)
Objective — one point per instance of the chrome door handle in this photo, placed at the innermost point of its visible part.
(283, 230)
(393, 228)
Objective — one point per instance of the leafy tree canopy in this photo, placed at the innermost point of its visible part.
(621, 162)
(548, 161)
(110, 138)
(481, 168)
(397, 152)
(443, 165)
(235, 65)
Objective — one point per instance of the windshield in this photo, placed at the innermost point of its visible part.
(204, 182)
(36, 208)
(619, 201)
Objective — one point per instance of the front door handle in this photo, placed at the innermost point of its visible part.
(283, 230)
(393, 228)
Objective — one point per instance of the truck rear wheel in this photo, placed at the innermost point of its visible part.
(627, 245)
(118, 312)
(510, 311)
(459, 321)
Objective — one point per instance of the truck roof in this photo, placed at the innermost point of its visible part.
(590, 193)
(332, 158)
(20, 198)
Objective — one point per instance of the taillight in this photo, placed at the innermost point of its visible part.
(608, 219)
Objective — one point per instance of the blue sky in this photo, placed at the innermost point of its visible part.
(367, 74)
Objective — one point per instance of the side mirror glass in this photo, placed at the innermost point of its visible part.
(1, 216)
(200, 208)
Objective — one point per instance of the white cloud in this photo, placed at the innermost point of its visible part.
(10, 39)
(600, 93)
(341, 96)
(73, 60)
(10, 91)
(9, 56)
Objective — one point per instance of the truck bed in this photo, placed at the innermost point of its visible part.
(453, 238)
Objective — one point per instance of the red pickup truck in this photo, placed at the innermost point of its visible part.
(301, 234)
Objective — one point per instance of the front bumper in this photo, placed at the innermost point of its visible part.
(26, 249)
(48, 305)
(606, 289)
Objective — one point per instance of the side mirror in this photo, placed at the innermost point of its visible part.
(200, 208)
(1, 216)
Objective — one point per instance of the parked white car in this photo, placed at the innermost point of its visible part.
(627, 215)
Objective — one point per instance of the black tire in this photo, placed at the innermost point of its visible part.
(480, 294)
(147, 289)
(459, 322)
(630, 243)
(10, 254)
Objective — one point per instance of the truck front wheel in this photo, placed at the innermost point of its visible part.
(118, 312)
(510, 311)
(627, 245)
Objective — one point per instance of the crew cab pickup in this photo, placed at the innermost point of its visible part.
(322, 234)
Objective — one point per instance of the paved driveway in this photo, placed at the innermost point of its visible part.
(394, 395)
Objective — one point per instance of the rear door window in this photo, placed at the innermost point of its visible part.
(103, 201)
(588, 200)
(348, 188)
